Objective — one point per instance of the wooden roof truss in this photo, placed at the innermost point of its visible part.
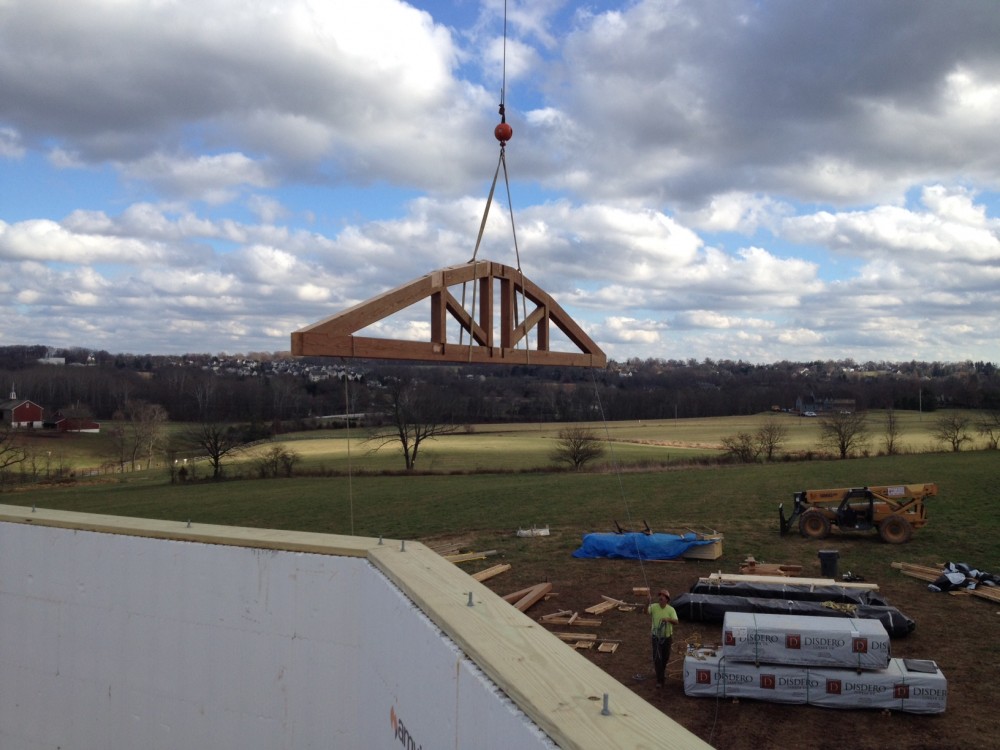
(335, 336)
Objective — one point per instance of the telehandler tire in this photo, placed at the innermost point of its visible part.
(895, 530)
(814, 525)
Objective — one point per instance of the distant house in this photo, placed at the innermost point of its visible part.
(20, 412)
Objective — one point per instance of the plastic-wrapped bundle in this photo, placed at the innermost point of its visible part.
(909, 685)
(832, 593)
(713, 608)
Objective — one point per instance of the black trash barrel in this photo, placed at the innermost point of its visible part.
(828, 562)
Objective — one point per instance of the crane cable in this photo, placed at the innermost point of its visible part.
(502, 133)
(621, 484)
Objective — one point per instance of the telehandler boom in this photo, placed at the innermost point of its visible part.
(893, 510)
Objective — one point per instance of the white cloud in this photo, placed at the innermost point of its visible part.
(10, 144)
(219, 170)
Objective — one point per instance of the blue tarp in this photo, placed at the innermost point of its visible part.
(634, 545)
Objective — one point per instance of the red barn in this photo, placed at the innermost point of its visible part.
(68, 424)
(20, 412)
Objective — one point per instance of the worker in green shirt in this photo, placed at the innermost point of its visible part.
(664, 619)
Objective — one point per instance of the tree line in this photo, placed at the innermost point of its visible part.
(278, 390)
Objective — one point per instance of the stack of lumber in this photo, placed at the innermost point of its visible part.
(931, 574)
(720, 578)
(751, 567)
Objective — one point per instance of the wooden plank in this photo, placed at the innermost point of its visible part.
(517, 595)
(601, 608)
(466, 556)
(485, 575)
(786, 581)
(583, 622)
(576, 636)
(532, 597)
(556, 615)
(607, 647)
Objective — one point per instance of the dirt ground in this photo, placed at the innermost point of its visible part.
(959, 632)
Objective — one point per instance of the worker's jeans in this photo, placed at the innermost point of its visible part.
(661, 654)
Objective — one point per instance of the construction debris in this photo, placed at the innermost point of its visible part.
(573, 637)
(466, 556)
(954, 578)
(722, 578)
(574, 619)
(533, 532)
(526, 598)
(599, 609)
(485, 575)
(750, 566)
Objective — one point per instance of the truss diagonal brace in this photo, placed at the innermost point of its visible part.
(336, 336)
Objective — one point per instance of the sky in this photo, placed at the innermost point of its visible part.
(757, 180)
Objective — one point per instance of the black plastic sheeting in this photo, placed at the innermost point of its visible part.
(713, 607)
(831, 593)
(963, 576)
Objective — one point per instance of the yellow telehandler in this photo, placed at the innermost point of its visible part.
(893, 510)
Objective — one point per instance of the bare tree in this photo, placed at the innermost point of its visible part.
(12, 453)
(742, 446)
(147, 421)
(988, 425)
(890, 432)
(276, 461)
(770, 436)
(216, 441)
(845, 432)
(577, 446)
(952, 429)
(137, 432)
(415, 412)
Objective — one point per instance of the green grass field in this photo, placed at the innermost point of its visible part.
(739, 501)
(629, 444)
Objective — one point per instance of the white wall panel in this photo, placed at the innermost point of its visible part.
(121, 642)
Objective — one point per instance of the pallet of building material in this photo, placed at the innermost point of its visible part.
(805, 640)
(485, 575)
(730, 577)
(908, 685)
